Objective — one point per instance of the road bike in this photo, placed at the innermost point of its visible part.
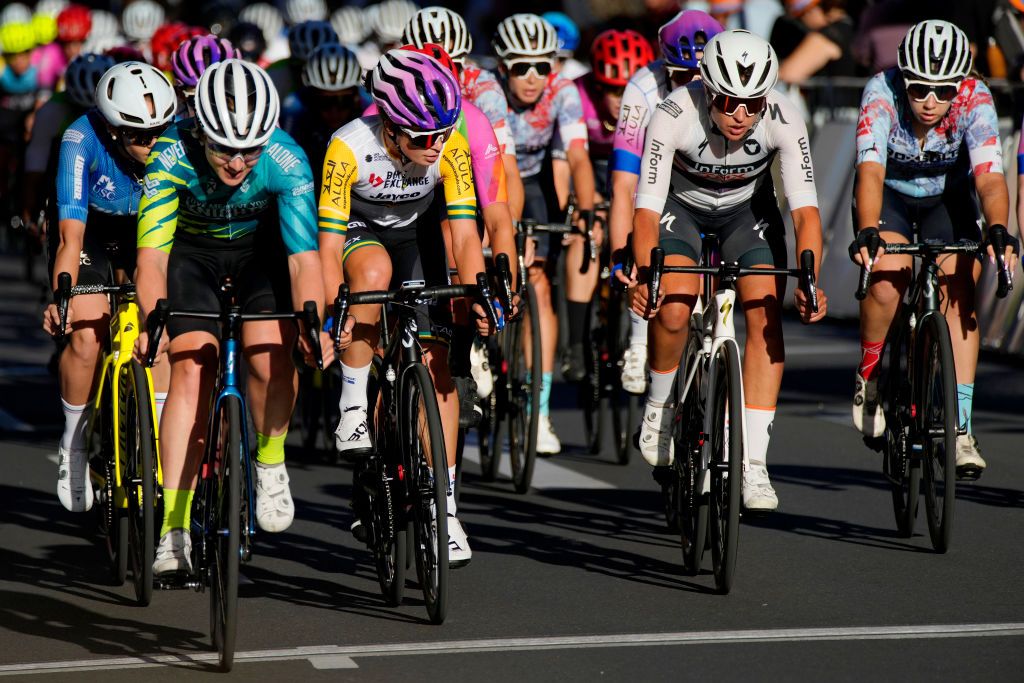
(223, 517)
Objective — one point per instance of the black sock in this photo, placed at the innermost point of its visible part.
(579, 322)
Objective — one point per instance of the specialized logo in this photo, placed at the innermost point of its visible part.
(667, 220)
(775, 111)
(724, 311)
(760, 227)
(105, 187)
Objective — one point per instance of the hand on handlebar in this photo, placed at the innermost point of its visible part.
(326, 348)
(640, 302)
(803, 306)
(484, 326)
(867, 241)
(142, 347)
(51, 319)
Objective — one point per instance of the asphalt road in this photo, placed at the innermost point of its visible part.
(577, 580)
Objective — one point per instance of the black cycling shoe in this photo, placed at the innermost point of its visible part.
(469, 410)
(574, 366)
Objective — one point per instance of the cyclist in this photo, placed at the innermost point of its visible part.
(354, 33)
(925, 127)
(73, 25)
(271, 24)
(298, 11)
(234, 199)
(388, 20)
(329, 98)
(566, 64)
(706, 171)
(377, 229)
(188, 63)
(140, 20)
(539, 102)
(249, 39)
(682, 41)
(19, 90)
(99, 184)
(286, 74)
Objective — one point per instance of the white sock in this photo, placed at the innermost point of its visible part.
(353, 386)
(661, 385)
(159, 397)
(75, 422)
(451, 490)
(637, 330)
(759, 432)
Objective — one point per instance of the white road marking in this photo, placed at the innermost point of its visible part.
(546, 474)
(332, 662)
(336, 654)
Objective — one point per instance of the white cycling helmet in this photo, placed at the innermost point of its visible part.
(298, 11)
(266, 17)
(350, 25)
(389, 19)
(739, 64)
(104, 24)
(83, 75)
(141, 19)
(526, 35)
(332, 67)
(440, 26)
(125, 91)
(51, 7)
(15, 13)
(236, 104)
(935, 50)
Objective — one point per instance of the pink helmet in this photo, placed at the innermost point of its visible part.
(193, 57)
(415, 91)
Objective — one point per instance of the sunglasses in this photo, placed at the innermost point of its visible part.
(729, 105)
(943, 92)
(249, 155)
(681, 75)
(141, 138)
(521, 68)
(421, 140)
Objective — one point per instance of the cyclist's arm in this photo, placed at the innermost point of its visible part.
(621, 213)
(627, 148)
(460, 200)
(655, 174)
(874, 123)
(76, 154)
(514, 186)
(994, 197)
(501, 233)
(986, 156)
(340, 172)
(298, 215)
(158, 221)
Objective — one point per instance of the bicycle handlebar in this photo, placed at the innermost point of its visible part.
(530, 226)
(65, 292)
(997, 238)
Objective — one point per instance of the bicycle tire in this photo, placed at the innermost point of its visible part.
(902, 471)
(623, 406)
(113, 517)
(425, 458)
(224, 533)
(725, 398)
(390, 547)
(138, 441)
(590, 395)
(489, 429)
(937, 425)
(524, 394)
(691, 505)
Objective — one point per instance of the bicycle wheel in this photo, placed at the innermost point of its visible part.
(902, 471)
(426, 460)
(725, 402)
(308, 407)
(623, 406)
(524, 394)
(937, 426)
(691, 504)
(138, 439)
(590, 394)
(224, 533)
(113, 522)
(390, 546)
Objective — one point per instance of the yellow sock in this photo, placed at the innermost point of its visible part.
(177, 509)
(270, 449)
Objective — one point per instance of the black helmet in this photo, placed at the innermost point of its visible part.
(249, 40)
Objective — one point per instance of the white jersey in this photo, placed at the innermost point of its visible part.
(645, 91)
(710, 172)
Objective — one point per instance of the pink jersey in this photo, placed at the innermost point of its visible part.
(484, 153)
(601, 134)
(50, 62)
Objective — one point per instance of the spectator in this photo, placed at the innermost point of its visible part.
(880, 31)
(814, 40)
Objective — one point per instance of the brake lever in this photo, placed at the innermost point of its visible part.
(62, 297)
(807, 279)
(312, 319)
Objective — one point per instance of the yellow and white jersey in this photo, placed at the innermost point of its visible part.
(362, 181)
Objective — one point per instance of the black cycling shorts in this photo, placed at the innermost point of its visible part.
(108, 245)
(540, 205)
(256, 262)
(751, 234)
(950, 216)
(417, 252)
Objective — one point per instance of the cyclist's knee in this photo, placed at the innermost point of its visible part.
(273, 364)
(86, 339)
(674, 316)
(193, 366)
(369, 273)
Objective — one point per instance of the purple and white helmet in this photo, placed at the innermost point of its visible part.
(415, 91)
(686, 33)
(193, 57)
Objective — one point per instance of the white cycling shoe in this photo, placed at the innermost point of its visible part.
(969, 463)
(547, 440)
(480, 369)
(634, 369)
(655, 441)
(459, 553)
(173, 553)
(275, 510)
(353, 432)
(74, 489)
(867, 410)
(758, 494)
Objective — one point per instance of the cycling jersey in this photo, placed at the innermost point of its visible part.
(18, 93)
(885, 136)
(534, 126)
(362, 179)
(645, 91)
(92, 175)
(481, 88)
(183, 191)
(50, 63)
(52, 119)
(708, 171)
(600, 136)
(305, 125)
(488, 170)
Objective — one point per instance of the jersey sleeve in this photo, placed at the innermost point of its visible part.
(789, 136)
(488, 170)
(656, 164)
(77, 147)
(292, 182)
(44, 130)
(628, 144)
(158, 207)
(877, 114)
(457, 177)
(982, 134)
(572, 129)
(492, 102)
(340, 172)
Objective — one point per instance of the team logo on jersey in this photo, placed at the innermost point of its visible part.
(150, 186)
(805, 161)
(73, 136)
(105, 188)
(375, 180)
(286, 159)
(752, 147)
(671, 108)
(491, 151)
(776, 113)
(79, 172)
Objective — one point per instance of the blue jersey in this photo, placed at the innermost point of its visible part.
(91, 176)
(18, 93)
(965, 141)
(183, 192)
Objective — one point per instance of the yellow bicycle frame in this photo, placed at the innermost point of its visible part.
(124, 330)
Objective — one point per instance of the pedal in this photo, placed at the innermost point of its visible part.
(968, 473)
(180, 580)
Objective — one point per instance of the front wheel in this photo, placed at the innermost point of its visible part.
(726, 462)
(224, 532)
(524, 378)
(937, 426)
(138, 448)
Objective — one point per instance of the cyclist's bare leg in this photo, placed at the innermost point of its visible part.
(436, 359)
(961, 273)
(366, 269)
(80, 360)
(541, 282)
(764, 354)
(273, 381)
(193, 358)
(890, 277)
(670, 328)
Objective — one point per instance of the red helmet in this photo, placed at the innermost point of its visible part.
(617, 55)
(125, 53)
(437, 52)
(73, 24)
(165, 41)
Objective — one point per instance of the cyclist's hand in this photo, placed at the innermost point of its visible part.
(346, 336)
(483, 325)
(638, 295)
(628, 279)
(516, 302)
(326, 349)
(530, 253)
(142, 347)
(1009, 258)
(51, 320)
(862, 257)
(803, 306)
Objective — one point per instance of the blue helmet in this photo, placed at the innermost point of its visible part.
(568, 33)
